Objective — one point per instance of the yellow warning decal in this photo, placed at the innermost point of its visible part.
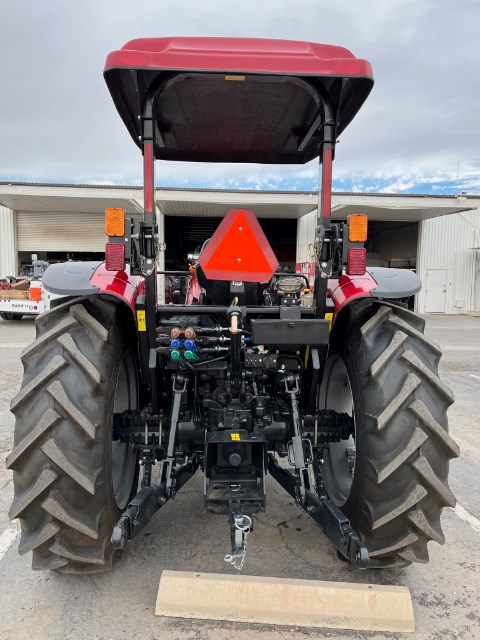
(307, 353)
(238, 78)
(142, 324)
(329, 317)
(235, 436)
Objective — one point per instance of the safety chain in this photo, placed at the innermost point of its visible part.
(147, 265)
(313, 254)
(159, 247)
(242, 523)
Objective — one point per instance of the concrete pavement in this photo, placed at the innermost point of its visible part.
(285, 542)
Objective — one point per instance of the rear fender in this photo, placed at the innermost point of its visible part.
(119, 284)
(378, 283)
(78, 281)
(349, 288)
(90, 278)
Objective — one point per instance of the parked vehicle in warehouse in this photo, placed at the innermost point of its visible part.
(342, 385)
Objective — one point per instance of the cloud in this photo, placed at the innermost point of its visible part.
(418, 129)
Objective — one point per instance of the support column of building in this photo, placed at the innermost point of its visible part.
(305, 239)
(476, 277)
(8, 248)
(161, 257)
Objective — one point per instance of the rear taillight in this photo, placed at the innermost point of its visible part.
(356, 262)
(114, 256)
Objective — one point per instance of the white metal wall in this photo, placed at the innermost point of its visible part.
(395, 243)
(447, 243)
(399, 242)
(60, 231)
(305, 236)
(443, 243)
(8, 251)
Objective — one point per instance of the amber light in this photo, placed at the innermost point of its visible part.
(114, 257)
(356, 262)
(115, 222)
(357, 227)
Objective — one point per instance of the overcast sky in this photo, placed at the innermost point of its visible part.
(418, 130)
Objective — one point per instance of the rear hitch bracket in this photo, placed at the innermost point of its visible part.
(241, 525)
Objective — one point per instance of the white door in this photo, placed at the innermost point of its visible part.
(436, 291)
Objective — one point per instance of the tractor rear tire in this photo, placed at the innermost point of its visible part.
(383, 366)
(11, 316)
(71, 481)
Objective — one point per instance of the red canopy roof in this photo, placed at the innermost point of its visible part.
(235, 99)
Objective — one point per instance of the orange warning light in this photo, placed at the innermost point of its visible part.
(115, 222)
(357, 227)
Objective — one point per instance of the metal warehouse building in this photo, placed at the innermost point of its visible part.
(439, 236)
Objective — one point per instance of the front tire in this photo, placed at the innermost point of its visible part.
(384, 369)
(71, 484)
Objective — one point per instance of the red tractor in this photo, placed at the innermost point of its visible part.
(336, 395)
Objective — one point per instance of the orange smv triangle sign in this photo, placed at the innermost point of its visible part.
(239, 250)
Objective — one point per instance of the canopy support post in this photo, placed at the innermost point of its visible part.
(322, 229)
(148, 239)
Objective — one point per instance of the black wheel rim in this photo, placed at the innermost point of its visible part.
(124, 458)
(338, 466)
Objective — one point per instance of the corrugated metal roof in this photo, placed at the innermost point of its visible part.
(118, 187)
(395, 213)
(66, 204)
(45, 198)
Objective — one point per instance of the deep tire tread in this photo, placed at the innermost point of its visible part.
(423, 414)
(51, 449)
(402, 505)
(61, 513)
(70, 347)
(418, 438)
(400, 544)
(24, 500)
(62, 494)
(32, 387)
(79, 311)
(47, 421)
(417, 518)
(89, 556)
(57, 330)
(382, 360)
(423, 468)
(29, 543)
(61, 398)
(412, 381)
(398, 495)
